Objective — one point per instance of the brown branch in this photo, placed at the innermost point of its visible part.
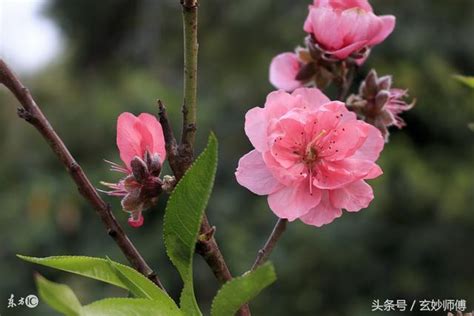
(31, 113)
(272, 240)
(191, 47)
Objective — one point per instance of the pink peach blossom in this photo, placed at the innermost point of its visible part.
(346, 27)
(311, 157)
(283, 71)
(142, 149)
(136, 135)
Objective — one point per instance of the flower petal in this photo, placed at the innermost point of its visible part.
(294, 201)
(387, 26)
(324, 213)
(156, 142)
(283, 71)
(253, 174)
(256, 128)
(352, 197)
(128, 137)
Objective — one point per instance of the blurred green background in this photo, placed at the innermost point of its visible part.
(415, 241)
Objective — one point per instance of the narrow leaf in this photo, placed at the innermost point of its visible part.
(129, 306)
(59, 296)
(183, 216)
(100, 269)
(467, 80)
(241, 290)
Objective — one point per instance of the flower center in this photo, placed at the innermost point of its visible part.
(311, 157)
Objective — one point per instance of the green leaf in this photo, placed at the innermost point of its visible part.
(100, 269)
(127, 307)
(59, 296)
(241, 290)
(183, 216)
(134, 283)
(467, 80)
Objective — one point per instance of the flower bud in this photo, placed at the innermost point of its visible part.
(153, 163)
(381, 99)
(384, 83)
(139, 169)
(369, 89)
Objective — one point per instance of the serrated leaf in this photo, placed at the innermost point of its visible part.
(467, 80)
(134, 283)
(241, 290)
(100, 269)
(128, 307)
(58, 296)
(183, 216)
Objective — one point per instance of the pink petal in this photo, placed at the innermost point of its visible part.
(128, 137)
(344, 52)
(373, 145)
(283, 71)
(375, 172)
(156, 142)
(253, 174)
(343, 141)
(352, 197)
(324, 24)
(256, 128)
(388, 24)
(278, 103)
(344, 4)
(294, 201)
(324, 213)
(313, 97)
(336, 174)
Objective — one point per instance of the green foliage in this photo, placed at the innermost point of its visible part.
(59, 296)
(152, 300)
(241, 290)
(110, 272)
(127, 307)
(183, 216)
(467, 80)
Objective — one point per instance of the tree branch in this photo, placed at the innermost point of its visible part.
(208, 249)
(31, 113)
(191, 46)
(272, 240)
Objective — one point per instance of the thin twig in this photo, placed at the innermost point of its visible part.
(346, 81)
(264, 253)
(191, 47)
(31, 113)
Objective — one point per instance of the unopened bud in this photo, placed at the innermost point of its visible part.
(370, 85)
(139, 169)
(384, 83)
(154, 165)
(381, 99)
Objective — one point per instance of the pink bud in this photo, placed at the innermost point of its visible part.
(347, 27)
